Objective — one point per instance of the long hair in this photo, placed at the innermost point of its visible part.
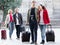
(9, 11)
(43, 7)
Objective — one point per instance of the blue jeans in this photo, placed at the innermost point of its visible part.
(42, 28)
(11, 28)
(33, 28)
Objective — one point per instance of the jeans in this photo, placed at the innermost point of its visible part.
(42, 28)
(33, 28)
(11, 28)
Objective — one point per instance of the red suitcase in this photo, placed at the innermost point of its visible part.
(3, 34)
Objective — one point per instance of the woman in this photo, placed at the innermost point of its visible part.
(9, 20)
(43, 21)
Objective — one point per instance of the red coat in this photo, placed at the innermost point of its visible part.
(45, 17)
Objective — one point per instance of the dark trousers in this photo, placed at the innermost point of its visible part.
(18, 31)
(33, 28)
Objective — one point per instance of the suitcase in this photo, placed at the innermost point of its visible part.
(22, 29)
(3, 34)
(25, 37)
(50, 35)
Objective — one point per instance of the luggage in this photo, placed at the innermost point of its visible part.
(22, 29)
(7, 25)
(50, 35)
(3, 34)
(26, 35)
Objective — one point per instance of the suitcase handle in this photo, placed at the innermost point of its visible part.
(49, 27)
(27, 26)
(3, 26)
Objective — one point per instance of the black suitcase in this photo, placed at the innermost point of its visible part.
(25, 37)
(50, 35)
(22, 29)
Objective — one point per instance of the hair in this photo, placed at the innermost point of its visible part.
(43, 7)
(9, 11)
(16, 9)
(33, 1)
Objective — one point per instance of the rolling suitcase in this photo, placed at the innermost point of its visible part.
(26, 36)
(50, 35)
(22, 29)
(3, 34)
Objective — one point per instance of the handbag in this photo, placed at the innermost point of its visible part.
(22, 28)
(7, 25)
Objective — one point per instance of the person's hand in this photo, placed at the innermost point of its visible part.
(3, 22)
(49, 24)
(27, 23)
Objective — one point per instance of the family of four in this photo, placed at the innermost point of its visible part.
(36, 16)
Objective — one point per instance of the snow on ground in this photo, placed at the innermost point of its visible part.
(14, 41)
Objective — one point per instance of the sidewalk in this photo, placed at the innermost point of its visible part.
(18, 42)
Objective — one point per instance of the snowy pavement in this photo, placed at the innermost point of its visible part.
(14, 41)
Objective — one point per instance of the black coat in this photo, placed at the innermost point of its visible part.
(19, 18)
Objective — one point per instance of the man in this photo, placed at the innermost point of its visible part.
(32, 20)
(18, 22)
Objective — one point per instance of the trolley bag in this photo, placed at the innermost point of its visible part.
(50, 35)
(22, 29)
(3, 34)
(26, 36)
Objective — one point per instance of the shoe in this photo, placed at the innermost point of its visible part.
(35, 42)
(10, 39)
(32, 42)
(42, 42)
(18, 38)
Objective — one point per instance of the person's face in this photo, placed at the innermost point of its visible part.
(11, 12)
(16, 11)
(40, 7)
(33, 4)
